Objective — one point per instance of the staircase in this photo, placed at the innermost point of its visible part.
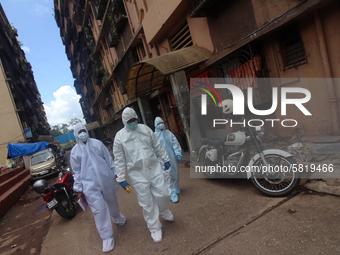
(12, 185)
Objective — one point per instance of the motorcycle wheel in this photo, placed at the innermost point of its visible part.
(206, 162)
(280, 183)
(65, 209)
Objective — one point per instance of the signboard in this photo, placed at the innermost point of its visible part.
(28, 133)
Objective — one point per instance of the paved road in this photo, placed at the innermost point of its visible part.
(213, 217)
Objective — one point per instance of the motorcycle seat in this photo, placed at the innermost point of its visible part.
(212, 141)
(59, 185)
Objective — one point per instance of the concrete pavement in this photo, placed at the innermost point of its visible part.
(210, 217)
(306, 224)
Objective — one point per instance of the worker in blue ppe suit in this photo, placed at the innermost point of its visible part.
(133, 151)
(172, 147)
(94, 178)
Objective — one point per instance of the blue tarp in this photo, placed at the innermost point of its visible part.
(65, 138)
(18, 149)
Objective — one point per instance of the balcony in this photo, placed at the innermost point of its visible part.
(28, 103)
(116, 16)
(77, 86)
(113, 38)
(121, 20)
(108, 103)
(201, 8)
(100, 8)
(57, 16)
(80, 11)
(122, 88)
(26, 66)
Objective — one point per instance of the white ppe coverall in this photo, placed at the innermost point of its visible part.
(132, 150)
(172, 147)
(94, 176)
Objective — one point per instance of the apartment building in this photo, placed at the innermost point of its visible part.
(142, 53)
(22, 115)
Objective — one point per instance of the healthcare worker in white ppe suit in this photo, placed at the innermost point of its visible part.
(133, 150)
(94, 178)
(172, 147)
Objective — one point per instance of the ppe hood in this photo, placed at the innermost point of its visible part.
(77, 128)
(157, 121)
(127, 115)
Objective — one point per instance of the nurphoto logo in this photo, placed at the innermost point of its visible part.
(238, 104)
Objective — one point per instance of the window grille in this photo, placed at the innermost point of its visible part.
(181, 39)
(292, 48)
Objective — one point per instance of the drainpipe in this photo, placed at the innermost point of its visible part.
(329, 81)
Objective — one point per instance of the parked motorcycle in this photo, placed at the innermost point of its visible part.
(60, 195)
(58, 153)
(270, 170)
(60, 160)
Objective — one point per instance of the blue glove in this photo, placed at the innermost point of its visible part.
(125, 185)
(166, 165)
(179, 158)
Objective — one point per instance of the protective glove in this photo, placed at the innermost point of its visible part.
(179, 158)
(125, 185)
(166, 165)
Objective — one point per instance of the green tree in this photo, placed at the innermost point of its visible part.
(55, 131)
(74, 121)
(61, 129)
(64, 128)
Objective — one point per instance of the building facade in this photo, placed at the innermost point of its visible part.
(22, 115)
(142, 53)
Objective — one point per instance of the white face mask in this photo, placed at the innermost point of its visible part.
(83, 136)
(161, 126)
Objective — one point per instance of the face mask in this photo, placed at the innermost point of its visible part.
(161, 126)
(83, 136)
(133, 125)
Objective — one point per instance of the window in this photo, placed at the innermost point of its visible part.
(42, 157)
(181, 39)
(292, 48)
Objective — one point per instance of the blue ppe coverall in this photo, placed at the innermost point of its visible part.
(172, 147)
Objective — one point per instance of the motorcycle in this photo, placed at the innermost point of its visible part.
(58, 153)
(269, 170)
(60, 196)
(60, 160)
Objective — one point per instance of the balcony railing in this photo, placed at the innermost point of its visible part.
(113, 39)
(100, 8)
(80, 11)
(116, 16)
(121, 20)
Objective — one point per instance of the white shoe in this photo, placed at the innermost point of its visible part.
(168, 215)
(108, 244)
(121, 220)
(157, 236)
